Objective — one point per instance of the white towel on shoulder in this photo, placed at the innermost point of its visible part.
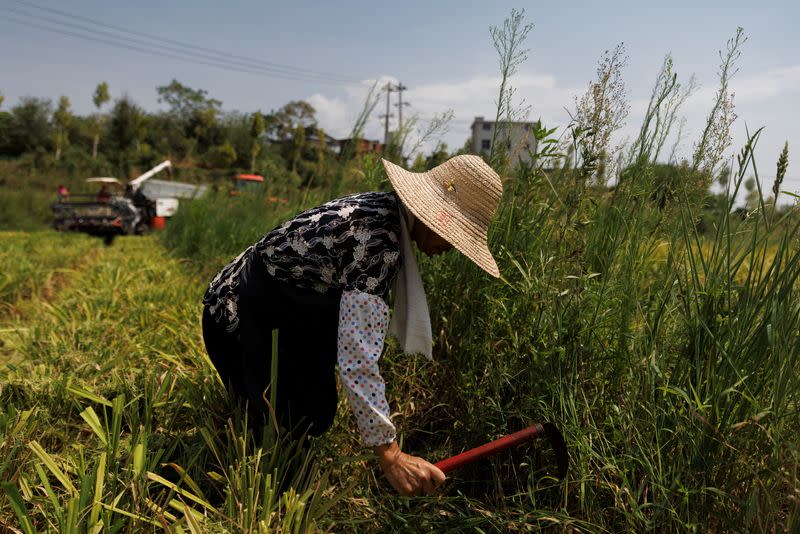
(411, 321)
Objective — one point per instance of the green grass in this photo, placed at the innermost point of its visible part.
(112, 415)
(33, 264)
(212, 230)
(25, 209)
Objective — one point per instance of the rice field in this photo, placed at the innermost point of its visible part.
(112, 420)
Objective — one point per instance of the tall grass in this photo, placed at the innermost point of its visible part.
(667, 356)
(218, 227)
(674, 375)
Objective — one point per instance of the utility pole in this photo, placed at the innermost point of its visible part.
(389, 90)
(400, 88)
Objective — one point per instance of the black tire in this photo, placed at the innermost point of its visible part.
(108, 239)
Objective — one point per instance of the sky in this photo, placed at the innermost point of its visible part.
(330, 53)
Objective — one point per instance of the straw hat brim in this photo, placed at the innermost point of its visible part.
(428, 202)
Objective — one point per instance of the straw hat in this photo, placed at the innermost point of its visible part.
(457, 200)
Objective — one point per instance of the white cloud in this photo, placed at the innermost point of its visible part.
(331, 112)
(478, 96)
(767, 85)
(337, 114)
(467, 98)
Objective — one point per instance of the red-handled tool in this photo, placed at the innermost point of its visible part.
(546, 430)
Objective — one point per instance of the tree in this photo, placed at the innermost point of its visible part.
(256, 131)
(284, 123)
(223, 156)
(184, 101)
(99, 98)
(203, 128)
(62, 119)
(419, 163)
(296, 144)
(290, 126)
(437, 157)
(126, 130)
(196, 114)
(5, 126)
(30, 125)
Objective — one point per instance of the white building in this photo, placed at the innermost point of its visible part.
(518, 137)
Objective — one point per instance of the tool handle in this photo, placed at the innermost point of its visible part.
(493, 447)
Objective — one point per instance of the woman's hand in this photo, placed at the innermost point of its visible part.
(408, 474)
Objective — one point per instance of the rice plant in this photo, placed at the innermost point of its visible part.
(113, 419)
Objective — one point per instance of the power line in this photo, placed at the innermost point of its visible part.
(160, 52)
(150, 52)
(142, 46)
(193, 47)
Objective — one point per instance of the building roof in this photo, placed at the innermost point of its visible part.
(250, 177)
(482, 121)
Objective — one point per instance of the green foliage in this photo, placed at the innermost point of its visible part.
(216, 228)
(32, 264)
(222, 157)
(118, 422)
(184, 101)
(101, 95)
(657, 329)
(667, 97)
(658, 352)
(290, 119)
(29, 126)
(62, 118)
(195, 134)
(25, 209)
(508, 41)
(783, 164)
(256, 132)
(126, 132)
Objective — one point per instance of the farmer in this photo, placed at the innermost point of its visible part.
(322, 279)
(103, 195)
(63, 193)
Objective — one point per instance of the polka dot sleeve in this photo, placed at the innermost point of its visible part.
(363, 321)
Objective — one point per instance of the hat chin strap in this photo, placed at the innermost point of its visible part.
(411, 320)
